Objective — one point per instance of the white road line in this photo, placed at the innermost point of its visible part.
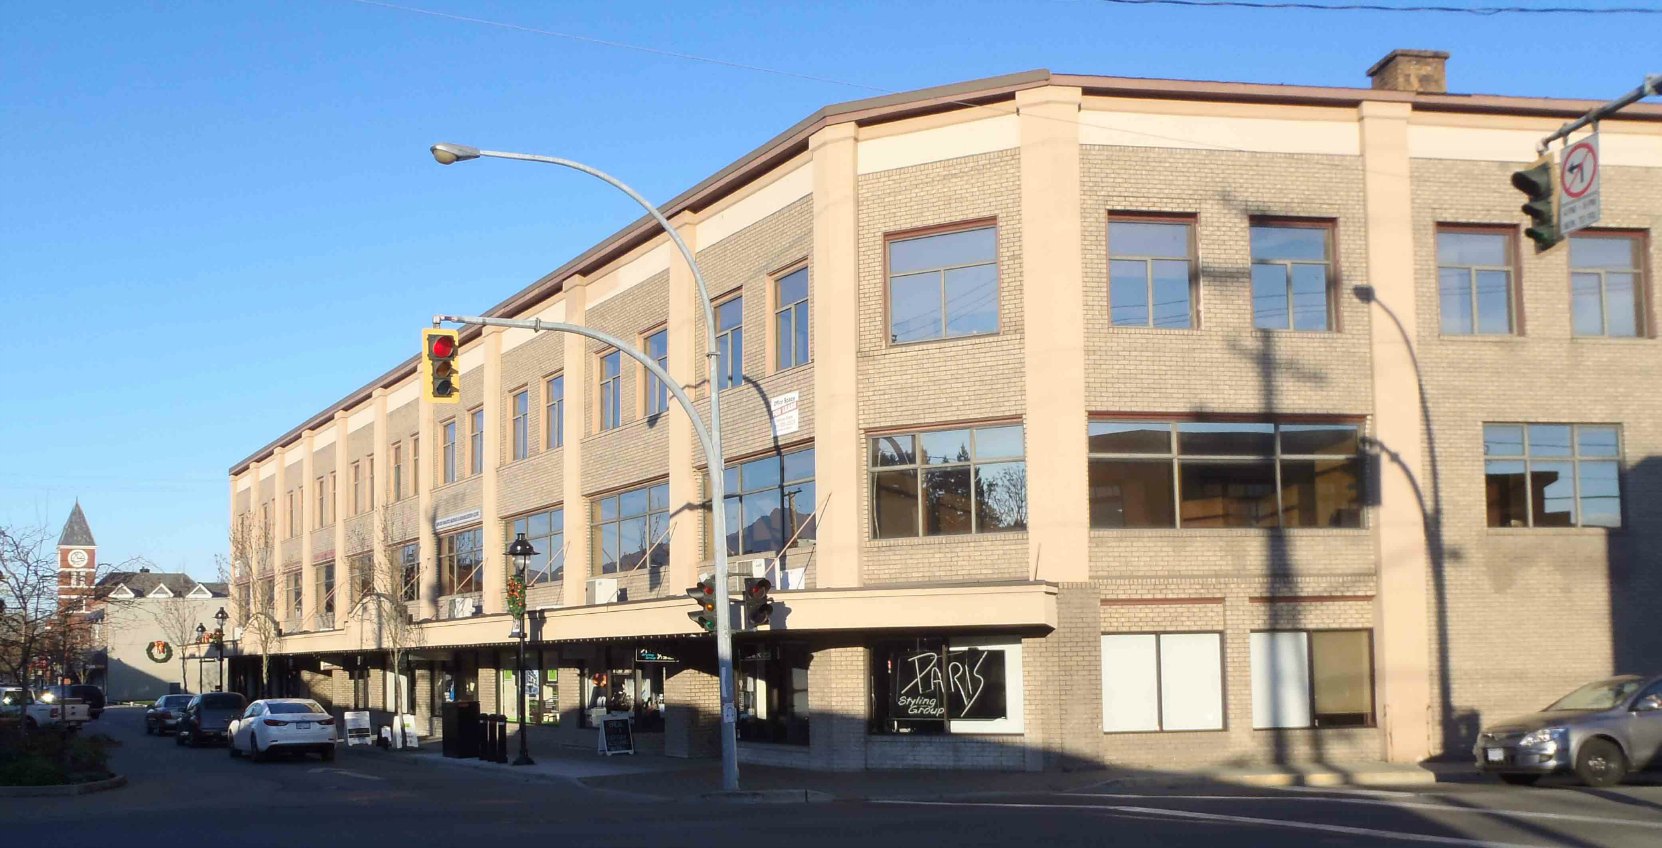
(1388, 793)
(1401, 805)
(1227, 819)
(357, 774)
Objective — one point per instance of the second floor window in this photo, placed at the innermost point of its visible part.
(326, 594)
(1474, 281)
(461, 558)
(397, 493)
(357, 488)
(321, 518)
(476, 441)
(1151, 280)
(409, 569)
(1552, 475)
(945, 482)
(657, 394)
(369, 490)
(611, 390)
(631, 529)
(943, 286)
(730, 343)
(449, 448)
(768, 501)
(521, 402)
(554, 425)
(291, 588)
(1291, 275)
(1199, 474)
(790, 320)
(546, 531)
(291, 513)
(1604, 285)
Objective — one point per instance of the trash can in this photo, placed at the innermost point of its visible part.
(461, 729)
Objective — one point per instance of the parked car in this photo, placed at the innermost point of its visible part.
(283, 724)
(16, 705)
(164, 714)
(90, 695)
(1601, 732)
(207, 717)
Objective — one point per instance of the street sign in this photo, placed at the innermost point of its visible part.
(1578, 180)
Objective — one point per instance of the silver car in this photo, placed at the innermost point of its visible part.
(1601, 732)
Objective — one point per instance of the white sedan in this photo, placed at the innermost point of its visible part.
(282, 724)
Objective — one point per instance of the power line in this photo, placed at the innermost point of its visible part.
(1481, 11)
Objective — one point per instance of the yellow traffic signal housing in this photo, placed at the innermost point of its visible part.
(440, 378)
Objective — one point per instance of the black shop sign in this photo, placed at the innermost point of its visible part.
(939, 685)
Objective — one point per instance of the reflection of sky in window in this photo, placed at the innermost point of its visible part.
(959, 248)
(1601, 503)
(1289, 243)
(1549, 440)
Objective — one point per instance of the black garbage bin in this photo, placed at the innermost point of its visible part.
(461, 729)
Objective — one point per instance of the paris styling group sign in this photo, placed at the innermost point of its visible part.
(963, 685)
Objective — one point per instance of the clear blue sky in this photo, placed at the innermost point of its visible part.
(217, 218)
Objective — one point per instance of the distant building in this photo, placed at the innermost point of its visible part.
(77, 561)
(136, 615)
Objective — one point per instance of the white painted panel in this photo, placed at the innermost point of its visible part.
(408, 393)
(555, 311)
(244, 483)
(360, 419)
(470, 359)
(939, 144)
(1191, 681)
(1203, 132)
(1280, 680)
(654, 261)
(268, 471)
(763, 202)
(1508, 145)
(1014, 720)
(1130, 690)
(323, 439)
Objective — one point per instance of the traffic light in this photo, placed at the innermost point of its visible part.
(705, 616)
(1536, 182)
(758, 607)
(439, 380)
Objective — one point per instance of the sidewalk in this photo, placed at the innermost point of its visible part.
(656, 777)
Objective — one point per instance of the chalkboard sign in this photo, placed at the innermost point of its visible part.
(617, 735)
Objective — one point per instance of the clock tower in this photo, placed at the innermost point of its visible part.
(77, 561)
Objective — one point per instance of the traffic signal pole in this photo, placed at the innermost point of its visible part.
(1651, 86)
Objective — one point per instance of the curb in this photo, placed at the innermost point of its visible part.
(768, 796)
(1418, 777)
(64, 789)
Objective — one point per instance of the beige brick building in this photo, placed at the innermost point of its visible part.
(1077, 420)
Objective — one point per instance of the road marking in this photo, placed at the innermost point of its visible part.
(1387, 793)
(1228, 819)
(1402, 805)
(357, 774)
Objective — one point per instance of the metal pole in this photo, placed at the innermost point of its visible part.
(1651, 85)
(524, 758)
(712, 444)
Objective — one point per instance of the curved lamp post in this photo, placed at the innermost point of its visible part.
(520, 553)
(449, 154)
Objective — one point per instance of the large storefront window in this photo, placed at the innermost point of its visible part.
(637, 690)
(937, 685)
(461, 556)
(773, 693)
(770, 501)
(542, 703)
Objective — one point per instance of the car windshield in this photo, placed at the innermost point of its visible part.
(1602, 695)
(174, 702)
(222, 701)
(293, 707)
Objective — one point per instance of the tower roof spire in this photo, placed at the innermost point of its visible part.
(76, 533)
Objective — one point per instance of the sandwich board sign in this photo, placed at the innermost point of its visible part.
(1578, 183)
(357, 728)
(617, 734)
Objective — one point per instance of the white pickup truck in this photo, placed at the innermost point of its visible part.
(69, 713)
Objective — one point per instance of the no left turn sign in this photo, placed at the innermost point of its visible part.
(1578, 178)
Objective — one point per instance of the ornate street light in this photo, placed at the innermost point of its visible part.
(520, 553)
(219, 644)
(201, 631)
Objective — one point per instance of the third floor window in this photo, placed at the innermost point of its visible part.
(730, 343)
(611, 390)
(1151, 276)
(790, 320)
(554, 425)
(1606, 294)
(657, 394)
(943, 285)
(448, 448)
(1474, 281)
(476, 441)
(521, 403)
(1292, 272)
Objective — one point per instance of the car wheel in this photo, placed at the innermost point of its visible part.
(149, 728)
(329, 754)
(1600, 763)
(231, 745)
(193, 740)
(1520, 779)
(254, 749)
(179, 738)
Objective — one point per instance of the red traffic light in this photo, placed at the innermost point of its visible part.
(441, 347)
(758, 587)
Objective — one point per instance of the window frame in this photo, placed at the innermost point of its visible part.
(476, 441)
(519, 423)
(654, 397)
(889, 238)
(1644, 328)
(554, 408)
(449, 551)
(521, 523)
(1331, 227)
(357, 487)
(596, 525)
(608, 392)
(447, 440)
(318, 522)
(1514, 291)
(801, 316)
(733, 498)
(731, 377)
(1310, 676)
(873, 470)
(1176, 457)
(415, 464)
(1159, 681)
(1188, 219)
(396, 482)
(1573, 458)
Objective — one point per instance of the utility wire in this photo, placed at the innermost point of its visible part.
(1483, 11)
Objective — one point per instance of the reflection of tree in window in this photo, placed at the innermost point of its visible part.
(1552, 475)
(946, 482)
(630, 529)
(769, 499)
(942, 286)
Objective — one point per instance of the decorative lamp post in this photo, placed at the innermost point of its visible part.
(201, 631)
(219, 644)
(520, 553)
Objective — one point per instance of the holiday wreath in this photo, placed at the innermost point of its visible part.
(159, 651)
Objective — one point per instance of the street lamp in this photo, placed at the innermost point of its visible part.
(201, 630)
(520, 553)
(450, 154)
(219, 645)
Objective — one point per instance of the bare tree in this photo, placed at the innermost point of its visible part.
(34, 628)
(253, 582)
(381, 592)
(177, 618)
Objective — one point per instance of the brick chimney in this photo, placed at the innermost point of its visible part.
(1414, 71)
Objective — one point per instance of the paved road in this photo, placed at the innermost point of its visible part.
(182, 796)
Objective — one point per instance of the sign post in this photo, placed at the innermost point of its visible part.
(1578, 180)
